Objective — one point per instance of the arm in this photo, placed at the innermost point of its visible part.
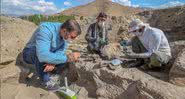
(88, 36)
(65, 47)
(109, 27)
(43, 43)
(154, 44)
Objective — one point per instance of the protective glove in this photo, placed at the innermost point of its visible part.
(123, 43)
(102, 42)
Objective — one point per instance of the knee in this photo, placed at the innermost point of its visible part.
(26, 56)
(29, 56)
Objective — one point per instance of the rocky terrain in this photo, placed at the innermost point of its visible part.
(166, 19)
(92, 77)
(14, 34)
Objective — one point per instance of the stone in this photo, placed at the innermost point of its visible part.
(10, 72)
(153, 89)
(124, 83)
(83, 94)
(177, 72)
(112, 50)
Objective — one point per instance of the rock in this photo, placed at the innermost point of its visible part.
(153, 89)
(124, 83)
(170, 20)
(112, 50)
(177, 72)
(21, 91)
(12, 31)
(113, 67)
(83, 94)
(177, 47)
(11, 86)
(10, 72)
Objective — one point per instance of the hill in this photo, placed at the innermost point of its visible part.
(170, 20)
(93, 8)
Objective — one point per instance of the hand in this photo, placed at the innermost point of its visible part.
(102, 42)
(49, 67)
(76, 55)
(118, 46)
(73, 57)
(123, 43)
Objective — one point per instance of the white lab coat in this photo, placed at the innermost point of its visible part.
(153, 40)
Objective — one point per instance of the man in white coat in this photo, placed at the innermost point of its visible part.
(148, 43)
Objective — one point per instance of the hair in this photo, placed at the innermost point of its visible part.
(71, 25)
(102, 14)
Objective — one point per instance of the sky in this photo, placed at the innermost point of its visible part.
(29, 7)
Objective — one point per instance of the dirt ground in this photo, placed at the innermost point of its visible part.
(93, 79)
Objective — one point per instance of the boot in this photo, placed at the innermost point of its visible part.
(137, 63)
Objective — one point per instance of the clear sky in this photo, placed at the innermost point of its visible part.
(27, 7)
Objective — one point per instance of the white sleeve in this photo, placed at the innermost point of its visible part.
(129, 42)
(154, 44)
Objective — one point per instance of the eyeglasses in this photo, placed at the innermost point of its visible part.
(134, 31)
(139, 30)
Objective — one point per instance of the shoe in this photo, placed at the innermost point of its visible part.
(145, 67)
(52, 81)
(152, 68)
(136, 63)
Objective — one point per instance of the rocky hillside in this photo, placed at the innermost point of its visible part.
(14, 35)
(170, 20)
(93, 8)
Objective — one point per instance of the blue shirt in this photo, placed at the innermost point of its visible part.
(50, 46)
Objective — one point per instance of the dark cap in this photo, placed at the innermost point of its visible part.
(102, 14)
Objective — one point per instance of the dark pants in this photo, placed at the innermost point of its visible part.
(30, 57)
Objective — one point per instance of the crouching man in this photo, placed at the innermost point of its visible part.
(148, 43)
(47, 46)
(97, 34)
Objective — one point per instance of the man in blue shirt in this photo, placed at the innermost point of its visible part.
(47, 46)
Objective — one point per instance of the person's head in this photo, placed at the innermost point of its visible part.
(70, 29)
(137, 27)
(101, 19)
